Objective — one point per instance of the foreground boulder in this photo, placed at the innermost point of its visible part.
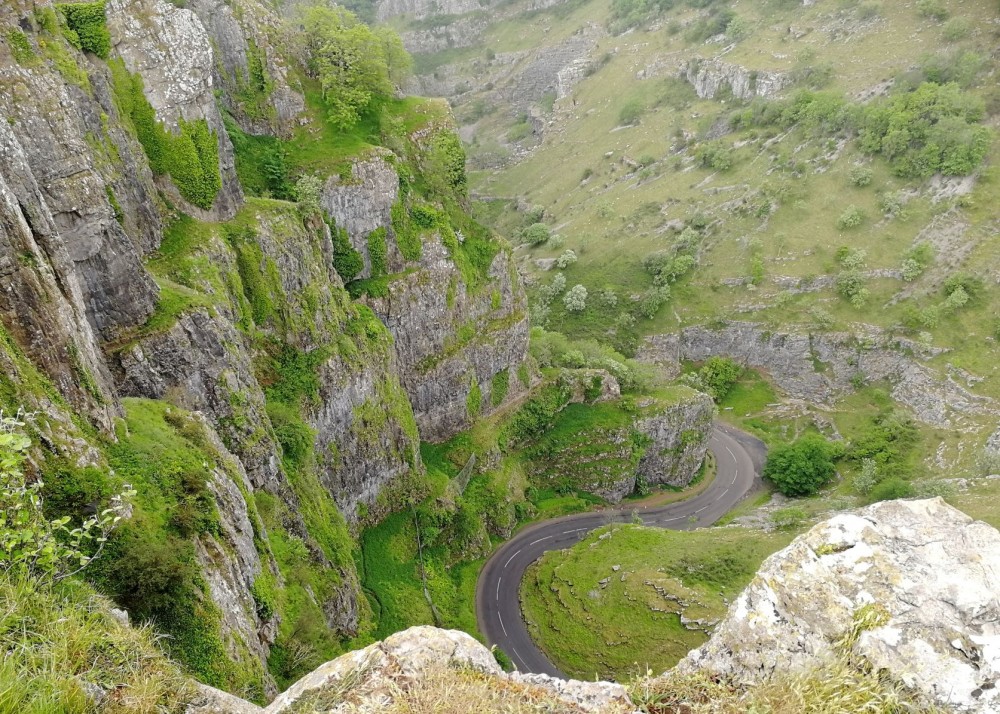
(911, 587)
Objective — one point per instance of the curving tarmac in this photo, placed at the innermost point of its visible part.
(739, 458)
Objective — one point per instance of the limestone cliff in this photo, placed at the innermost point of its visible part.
(140, 283)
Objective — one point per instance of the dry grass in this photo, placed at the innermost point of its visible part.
(835, 689)
(59, 646)
(445, 690)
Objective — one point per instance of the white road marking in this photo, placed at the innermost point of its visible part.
(510, 559)
(514, 652)
(731, 453)
(539, 540)
(498, 587)
(701, 509)
(678, 518)
(724, 493)
(501, 625)
(734, 477)
(576, 530)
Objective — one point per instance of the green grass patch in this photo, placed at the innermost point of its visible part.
(631, 622)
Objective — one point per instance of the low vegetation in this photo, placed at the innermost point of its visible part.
(614, 605)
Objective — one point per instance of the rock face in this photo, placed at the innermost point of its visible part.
(113, 286)
(450, 339)
(679, 438)
(376, 676)
(819, 367)
(170, 49)
(709, 76)
(919, 578)
(248, 64)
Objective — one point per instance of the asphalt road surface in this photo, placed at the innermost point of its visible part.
(739, 458)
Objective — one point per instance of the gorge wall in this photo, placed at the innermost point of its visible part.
(141, 284)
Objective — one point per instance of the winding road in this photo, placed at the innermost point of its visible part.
(739, 458)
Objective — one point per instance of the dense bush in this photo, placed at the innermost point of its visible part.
(715, 156)
(719, 374)
(357, 67)
(575, 300)
(86, 27)
(190, 157)
(536, 234)
(803, 466)
(346, 260)
(852, 217)
(929, 130)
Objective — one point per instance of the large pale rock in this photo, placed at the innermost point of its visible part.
(589, 696)
(368, 680)
(930, 571)
(209, 700)
(709, 76)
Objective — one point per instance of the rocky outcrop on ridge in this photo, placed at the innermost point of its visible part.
(709, 76)
(911, 587)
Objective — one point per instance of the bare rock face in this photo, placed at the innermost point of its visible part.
(920, 578)
(450, 341)
(363, 204)
(372, 678)
(169, 47)
(819, 367)
(679, 438)
(209, 700)
(708, 76)
(249, 67)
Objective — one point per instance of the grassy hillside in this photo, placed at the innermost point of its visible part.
(828, 205)
(628, 598)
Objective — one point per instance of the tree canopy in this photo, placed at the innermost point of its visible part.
(803, 466)
(355, 65)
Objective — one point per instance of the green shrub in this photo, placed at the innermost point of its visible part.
(20, 47)
(931, 129)
(536, 234)
(631, 112)
(719, 375)
(31, 544)
(803, 466)
(861, 176)
(890, 489)
(499, 387)
(852, 217)
(190, 157)
(715, 156)
(346, 260)
(933, 9)
(86, 27)
(378, 252)
(474, 400)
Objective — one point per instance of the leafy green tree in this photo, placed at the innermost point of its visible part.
(719, 374)
(803, 466)
(536, 234)
(356, 66)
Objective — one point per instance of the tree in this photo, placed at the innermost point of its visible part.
(803, 466)
(536, 234)
(719, 374)
(566, 259)
(576, 299)
(355, 65)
